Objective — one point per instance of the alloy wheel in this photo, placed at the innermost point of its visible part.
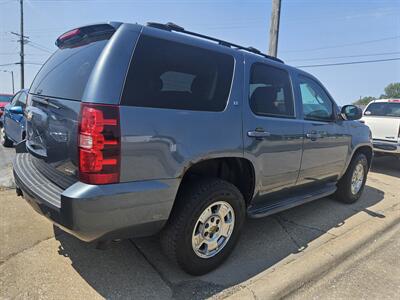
(213, 229)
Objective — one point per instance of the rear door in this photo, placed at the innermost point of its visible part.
(326, 141)
(271, 131)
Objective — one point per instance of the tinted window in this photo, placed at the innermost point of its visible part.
(167, 74)
(22, 100)
(316, 103)
(384, 109)
(270, 92)
(67, 72)
(15, 99)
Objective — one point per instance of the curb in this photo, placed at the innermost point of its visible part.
(281, 281)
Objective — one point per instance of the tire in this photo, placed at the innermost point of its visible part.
(4, 140)
(347, 193)
(199, 199)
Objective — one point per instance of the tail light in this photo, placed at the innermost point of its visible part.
(99, 144)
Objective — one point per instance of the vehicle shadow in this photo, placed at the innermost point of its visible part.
(388, 165)
(137, 268)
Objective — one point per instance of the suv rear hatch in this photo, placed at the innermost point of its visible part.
(54, 102)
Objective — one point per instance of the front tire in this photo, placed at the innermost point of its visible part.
(204, 225)
(351, 185)
(4, 140)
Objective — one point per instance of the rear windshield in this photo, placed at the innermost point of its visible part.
(166, 74)
(67, 72)
(383, 109)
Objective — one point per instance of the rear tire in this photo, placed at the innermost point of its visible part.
(4, 140)
(204, 226)
(351, 185)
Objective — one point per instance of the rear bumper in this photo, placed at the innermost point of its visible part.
(386, 147)
(93, 212)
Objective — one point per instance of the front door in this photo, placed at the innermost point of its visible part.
(272, 133)
(16, 121)
(326, 142)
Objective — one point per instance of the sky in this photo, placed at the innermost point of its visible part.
(312, 32)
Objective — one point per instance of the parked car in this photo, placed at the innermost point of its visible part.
(136, 130)
(13, 121)
(4, 100)
(383, 118)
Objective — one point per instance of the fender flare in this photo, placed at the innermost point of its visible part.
(352, 155)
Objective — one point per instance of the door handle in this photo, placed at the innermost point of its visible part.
(258, 133)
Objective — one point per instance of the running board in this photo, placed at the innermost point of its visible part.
(277, 205)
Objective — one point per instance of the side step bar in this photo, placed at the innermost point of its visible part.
(277, 205)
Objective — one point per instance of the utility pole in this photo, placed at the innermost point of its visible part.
(22, 40)
(274, 28)
(22, 45)
(12, 81)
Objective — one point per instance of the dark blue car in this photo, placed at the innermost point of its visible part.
(13, 120)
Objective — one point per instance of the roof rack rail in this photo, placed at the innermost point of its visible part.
(173, 27)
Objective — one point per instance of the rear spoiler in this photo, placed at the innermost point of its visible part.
(86, 34)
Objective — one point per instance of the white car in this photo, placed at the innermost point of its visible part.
(383, 118)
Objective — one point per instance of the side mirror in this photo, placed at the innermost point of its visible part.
(351, 112)
(16, 110)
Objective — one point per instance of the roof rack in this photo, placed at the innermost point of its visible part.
(173, 27)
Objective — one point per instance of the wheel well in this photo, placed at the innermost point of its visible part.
(367, 151)
(238, 171)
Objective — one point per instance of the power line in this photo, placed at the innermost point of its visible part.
(349, 63)
(4, 65)
(344, 56)
(34, 63)
(26, 54)
(39, 48)
(346, 45)
(40, 45)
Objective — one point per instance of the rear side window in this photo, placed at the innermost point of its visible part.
(67, 72)
(270, 92)
(383, 109)
(166, 74)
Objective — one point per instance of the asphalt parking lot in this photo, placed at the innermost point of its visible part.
(39, 261)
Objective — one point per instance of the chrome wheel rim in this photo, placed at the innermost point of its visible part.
(213, 229)
(357, 179)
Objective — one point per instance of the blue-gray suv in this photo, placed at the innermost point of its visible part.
(136, 130)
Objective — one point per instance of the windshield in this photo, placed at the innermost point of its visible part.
(383, 109)
(5, 98)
